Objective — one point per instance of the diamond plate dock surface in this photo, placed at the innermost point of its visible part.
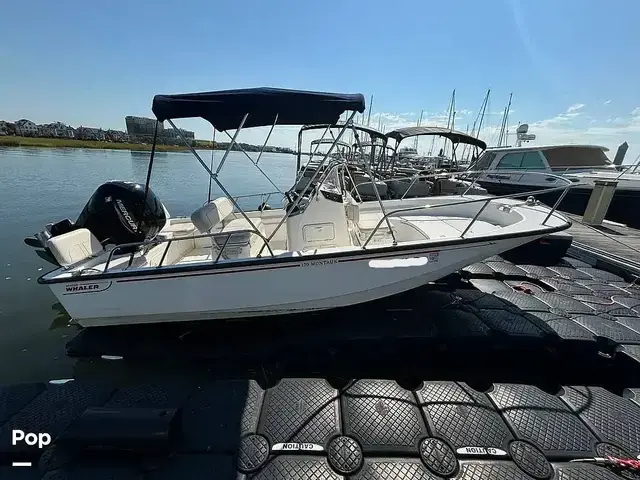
(510, 371)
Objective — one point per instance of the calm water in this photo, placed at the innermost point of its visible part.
(41, 185)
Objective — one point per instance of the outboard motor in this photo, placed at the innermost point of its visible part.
(114, 215)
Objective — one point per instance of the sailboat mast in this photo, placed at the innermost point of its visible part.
(505, 122)
(369, 115)
(415, 144)
(477, 123)
(484, 109)
(452, 107)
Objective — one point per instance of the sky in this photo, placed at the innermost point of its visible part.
(572, 65)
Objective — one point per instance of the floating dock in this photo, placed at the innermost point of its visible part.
(614, 246)
(545, 354)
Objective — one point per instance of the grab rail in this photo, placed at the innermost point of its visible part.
(261, 195)
(169, 241)
(152, 243)
(565, 189)
(251, 195)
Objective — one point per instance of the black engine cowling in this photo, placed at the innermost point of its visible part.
(115, 213)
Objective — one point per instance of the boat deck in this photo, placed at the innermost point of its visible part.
(545, 358)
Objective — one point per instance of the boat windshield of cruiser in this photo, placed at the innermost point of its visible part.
(125, 260)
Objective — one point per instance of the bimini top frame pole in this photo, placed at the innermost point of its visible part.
(373, 134)
(329, 141)
(456, 137)
(254, 107)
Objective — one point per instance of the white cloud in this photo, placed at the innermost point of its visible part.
(609, 132)
(571, 126)
(607, 102)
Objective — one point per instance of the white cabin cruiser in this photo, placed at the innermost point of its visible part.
(126, 261)
(521, 169)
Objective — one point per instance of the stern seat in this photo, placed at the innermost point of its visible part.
(74, 247)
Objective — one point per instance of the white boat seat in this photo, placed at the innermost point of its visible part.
(369, 221)
(212, 214)
(75, 246)
(241, 244)
(242, 224)
(180, 246)
(179, 229)
(175, 226)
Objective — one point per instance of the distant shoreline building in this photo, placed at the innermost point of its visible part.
(141, 130)
(56, 130)
(26, 128)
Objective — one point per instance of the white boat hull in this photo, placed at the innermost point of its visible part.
(303, 285)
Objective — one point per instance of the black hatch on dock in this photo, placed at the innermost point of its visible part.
(507, 370)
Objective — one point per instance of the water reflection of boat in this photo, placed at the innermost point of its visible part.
(62, 319)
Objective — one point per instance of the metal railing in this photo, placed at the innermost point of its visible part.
(169, 241)
(486, 201)
(264, 197)
(353, 182)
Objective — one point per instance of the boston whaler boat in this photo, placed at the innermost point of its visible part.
(358, 182)
(125, 260)
(422, 182)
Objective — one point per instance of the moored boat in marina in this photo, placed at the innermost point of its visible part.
(405, 183)
(126, 260)
(522, 169)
